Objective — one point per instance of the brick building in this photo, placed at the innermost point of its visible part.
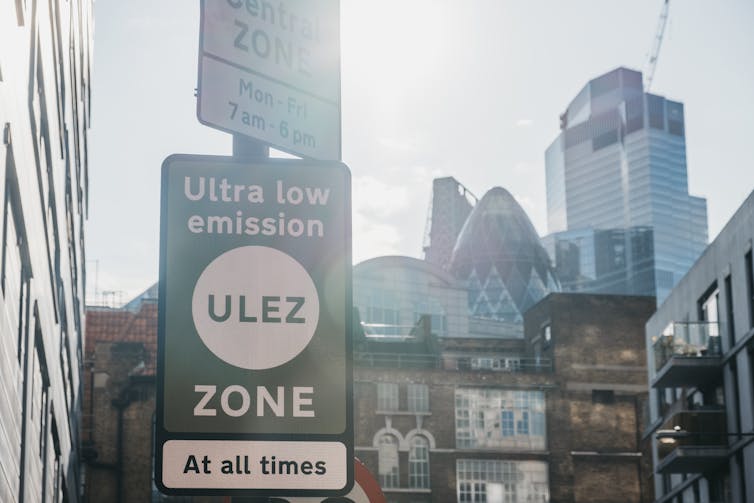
(119, 400)
(555, 415)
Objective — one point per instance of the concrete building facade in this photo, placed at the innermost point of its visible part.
(700, 349)
(45, 61)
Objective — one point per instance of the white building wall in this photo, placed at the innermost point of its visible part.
(45, 51)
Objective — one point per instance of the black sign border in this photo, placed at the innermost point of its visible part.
(161, 435)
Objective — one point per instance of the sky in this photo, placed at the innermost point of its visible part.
(429, 88)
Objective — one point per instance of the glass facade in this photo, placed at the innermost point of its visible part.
(499, 256)
(492, 480)
(620, 163)
(500, 419)
(612, 261)
(393, 293)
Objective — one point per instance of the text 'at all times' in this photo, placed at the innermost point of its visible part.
(242, 465)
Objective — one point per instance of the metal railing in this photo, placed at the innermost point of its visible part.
(697, 339)
(453, 362)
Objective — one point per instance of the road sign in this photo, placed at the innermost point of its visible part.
(270, 70)
(254, 374)
(365, 490)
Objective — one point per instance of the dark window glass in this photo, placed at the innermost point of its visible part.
(675, 127)
(605, 139)
(750, 286)
(656, 108)
(603, 396)
(736, 394)
(731, 328)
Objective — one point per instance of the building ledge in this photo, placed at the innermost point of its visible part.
(693, 459)
(687, 371)
(401, 413)
(606, 454)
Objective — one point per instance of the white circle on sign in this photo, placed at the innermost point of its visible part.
(255, 307)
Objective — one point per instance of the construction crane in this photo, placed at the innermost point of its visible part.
(649, 72)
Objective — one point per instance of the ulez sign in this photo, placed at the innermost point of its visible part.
(254, 375)
(270, 70)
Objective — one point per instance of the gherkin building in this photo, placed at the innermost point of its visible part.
(499, 254)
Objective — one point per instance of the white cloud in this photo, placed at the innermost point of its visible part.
(524, 122)
(378, 199)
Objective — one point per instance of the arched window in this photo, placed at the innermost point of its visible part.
(388, 468)
(418, 463)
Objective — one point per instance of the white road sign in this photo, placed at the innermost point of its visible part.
(270, 69)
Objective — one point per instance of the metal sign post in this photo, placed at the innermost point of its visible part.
(254, 369)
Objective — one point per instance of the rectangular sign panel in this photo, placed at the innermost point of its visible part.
(270, 69)
(254, 369)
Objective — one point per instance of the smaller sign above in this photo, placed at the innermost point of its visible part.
(270, 70)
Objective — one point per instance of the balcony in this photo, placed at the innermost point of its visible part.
(692, 442)
(687, 354)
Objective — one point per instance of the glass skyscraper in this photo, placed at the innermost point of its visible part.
(619, 162)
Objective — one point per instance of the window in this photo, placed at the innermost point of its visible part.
(388, 467)
(508, 364)
(731, 329)
(736, 394)
(418, 463)
(708, 304)
(656, 108)
(387, 396)
(499, 418)
(547, 335)
(522, 425)
(750, 286)
(380, 313)
(605, 139)
(418, 398)
(751, 374)
(603, 396)
(479, 480)
(507, 423)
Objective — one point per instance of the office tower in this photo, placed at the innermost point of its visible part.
(610, 261)
(45, 59)
(450, 205)
(620, 162)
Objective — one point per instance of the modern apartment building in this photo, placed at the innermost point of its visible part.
(700, 348)
(45, 60)
(620, 162)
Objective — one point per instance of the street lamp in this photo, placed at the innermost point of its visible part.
(671, 436)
